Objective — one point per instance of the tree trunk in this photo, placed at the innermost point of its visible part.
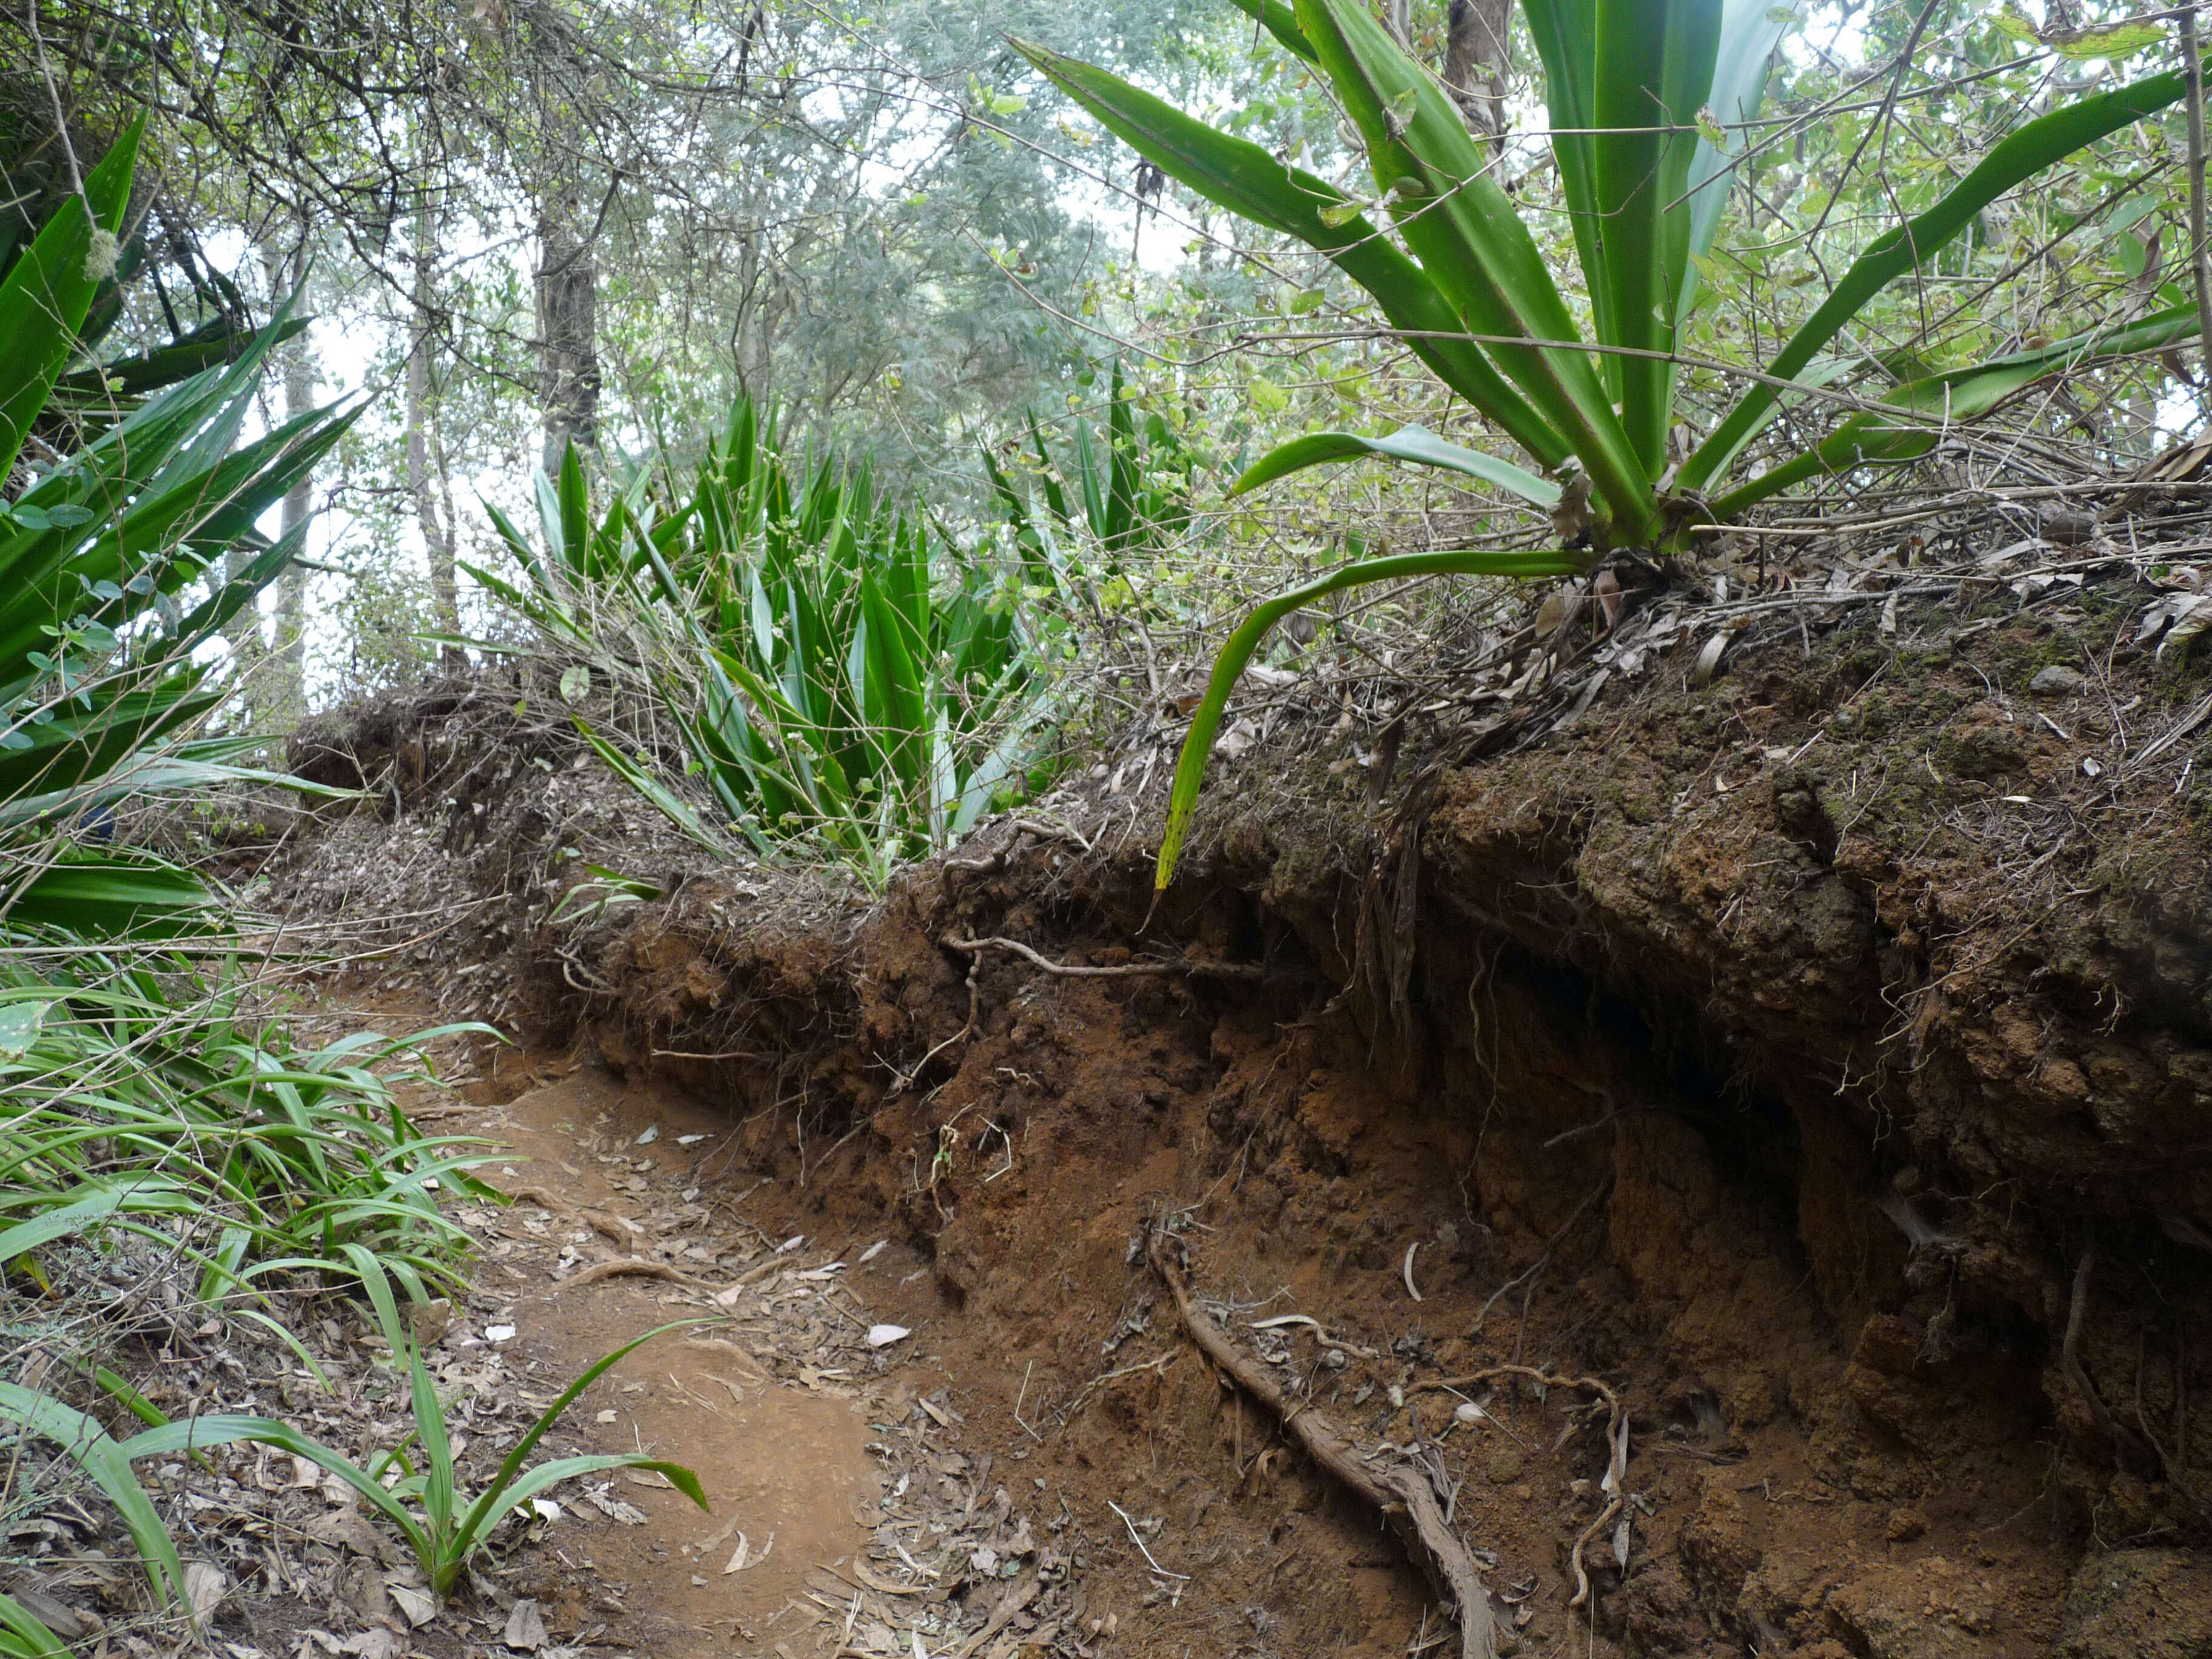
(276, 693)
(287, 673)
(568, 324)
(1478, 51)
(422, 481)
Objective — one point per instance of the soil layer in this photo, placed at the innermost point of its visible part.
(1818, 1057)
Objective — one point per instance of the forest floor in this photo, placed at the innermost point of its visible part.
(1736, 1143)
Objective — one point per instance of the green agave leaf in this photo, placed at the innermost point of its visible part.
(1236, 656)
(1408, 443)
(1243, 177)
(49, 289)
(1470, 240)
(1654, 67)
(2036, 145)
(1955, 395)
(1280, 20)
(1750, 31)
(113, 895)
(162, 366)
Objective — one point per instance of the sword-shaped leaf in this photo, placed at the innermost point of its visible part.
(1241, 176)
(2040, 143)
(1470, 240)
(1409, 443)
(1228, 666)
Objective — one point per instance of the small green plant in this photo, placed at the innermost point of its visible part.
(440, 1523)
(1122, 506)
(836, 667)
(23, 1636)
(1650, 101)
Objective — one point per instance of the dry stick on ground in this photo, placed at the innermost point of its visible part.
(1201, 969)
(1403, 1498)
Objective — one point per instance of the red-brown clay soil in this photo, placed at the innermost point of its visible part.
(1818, 1060)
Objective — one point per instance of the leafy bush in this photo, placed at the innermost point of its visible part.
(1648, 105)
(838, 666)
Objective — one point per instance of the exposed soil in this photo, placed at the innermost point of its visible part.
(1819, 1058)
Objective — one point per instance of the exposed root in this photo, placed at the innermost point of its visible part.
(634, 1268)
(1401, 1497)
(1616, 1441)
(1194, 966)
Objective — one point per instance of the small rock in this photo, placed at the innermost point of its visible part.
(1503, 1467)
(1905, 1525)
(2057, 682)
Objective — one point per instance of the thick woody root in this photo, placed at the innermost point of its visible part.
(1402, 1497)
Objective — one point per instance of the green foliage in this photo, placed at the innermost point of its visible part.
(23, 1636)
(837, 667)
(1633, 86)
(144, 1106)
(136, 1103)
(442, 1525)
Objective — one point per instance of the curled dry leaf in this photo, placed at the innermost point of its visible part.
(1608, 596)
(2190, 619)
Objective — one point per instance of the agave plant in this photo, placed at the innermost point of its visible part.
(838, 667)
(1118, 507)
(1639, 92)
(113, 574)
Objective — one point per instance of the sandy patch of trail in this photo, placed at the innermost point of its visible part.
(784, 1467)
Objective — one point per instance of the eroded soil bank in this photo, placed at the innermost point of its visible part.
(1818, 1057)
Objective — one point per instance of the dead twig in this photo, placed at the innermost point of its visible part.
(1401, 1497)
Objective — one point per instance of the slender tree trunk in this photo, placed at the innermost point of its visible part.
(287, 670)
(276, 695)
(568, 324)
(422, 480)
(1478, 51)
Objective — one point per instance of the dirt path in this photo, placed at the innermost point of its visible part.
(785, 1469)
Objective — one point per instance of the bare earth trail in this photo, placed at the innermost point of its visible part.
(786, 1467)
